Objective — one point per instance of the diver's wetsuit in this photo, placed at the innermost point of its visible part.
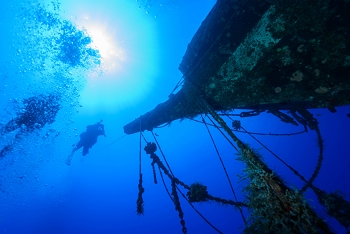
(89, 138)
(36, 112)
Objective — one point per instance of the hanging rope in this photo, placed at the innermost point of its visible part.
(155, 139)
(275, 155)
(166, 188)
(107, 145)
(139, 202)
(194, 208)
(223, 201)
(275, 208)
(254, 133)
(223, 166)
(144, 138)
(335, 205)
(217, 127)
(178, 206)
(179, 83)
(154, 173)
(319, 161)
(320, 194)
(313, 125)
(206, 108)
(150, 149)
(269, 178)
(306, 119)
(249, 155)
(164, 125)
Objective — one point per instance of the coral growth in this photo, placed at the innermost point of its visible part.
(297, 76)
(321, 89)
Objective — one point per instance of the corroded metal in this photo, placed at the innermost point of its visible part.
(253, 53)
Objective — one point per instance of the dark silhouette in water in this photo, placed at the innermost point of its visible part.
(36, 113)
(88, 139)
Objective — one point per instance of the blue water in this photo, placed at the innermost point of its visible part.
(47, 47)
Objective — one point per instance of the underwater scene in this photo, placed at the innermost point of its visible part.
(174, 116)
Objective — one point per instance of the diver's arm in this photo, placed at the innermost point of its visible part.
(9, 127)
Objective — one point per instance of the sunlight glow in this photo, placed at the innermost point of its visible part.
(104, 41)
(128, 44)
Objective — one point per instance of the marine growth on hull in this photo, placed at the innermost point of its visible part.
(279, 57)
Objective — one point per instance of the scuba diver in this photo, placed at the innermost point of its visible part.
(36, 112)
(88, 139)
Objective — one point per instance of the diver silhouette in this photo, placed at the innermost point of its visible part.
(88, 139)
(36, 112)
